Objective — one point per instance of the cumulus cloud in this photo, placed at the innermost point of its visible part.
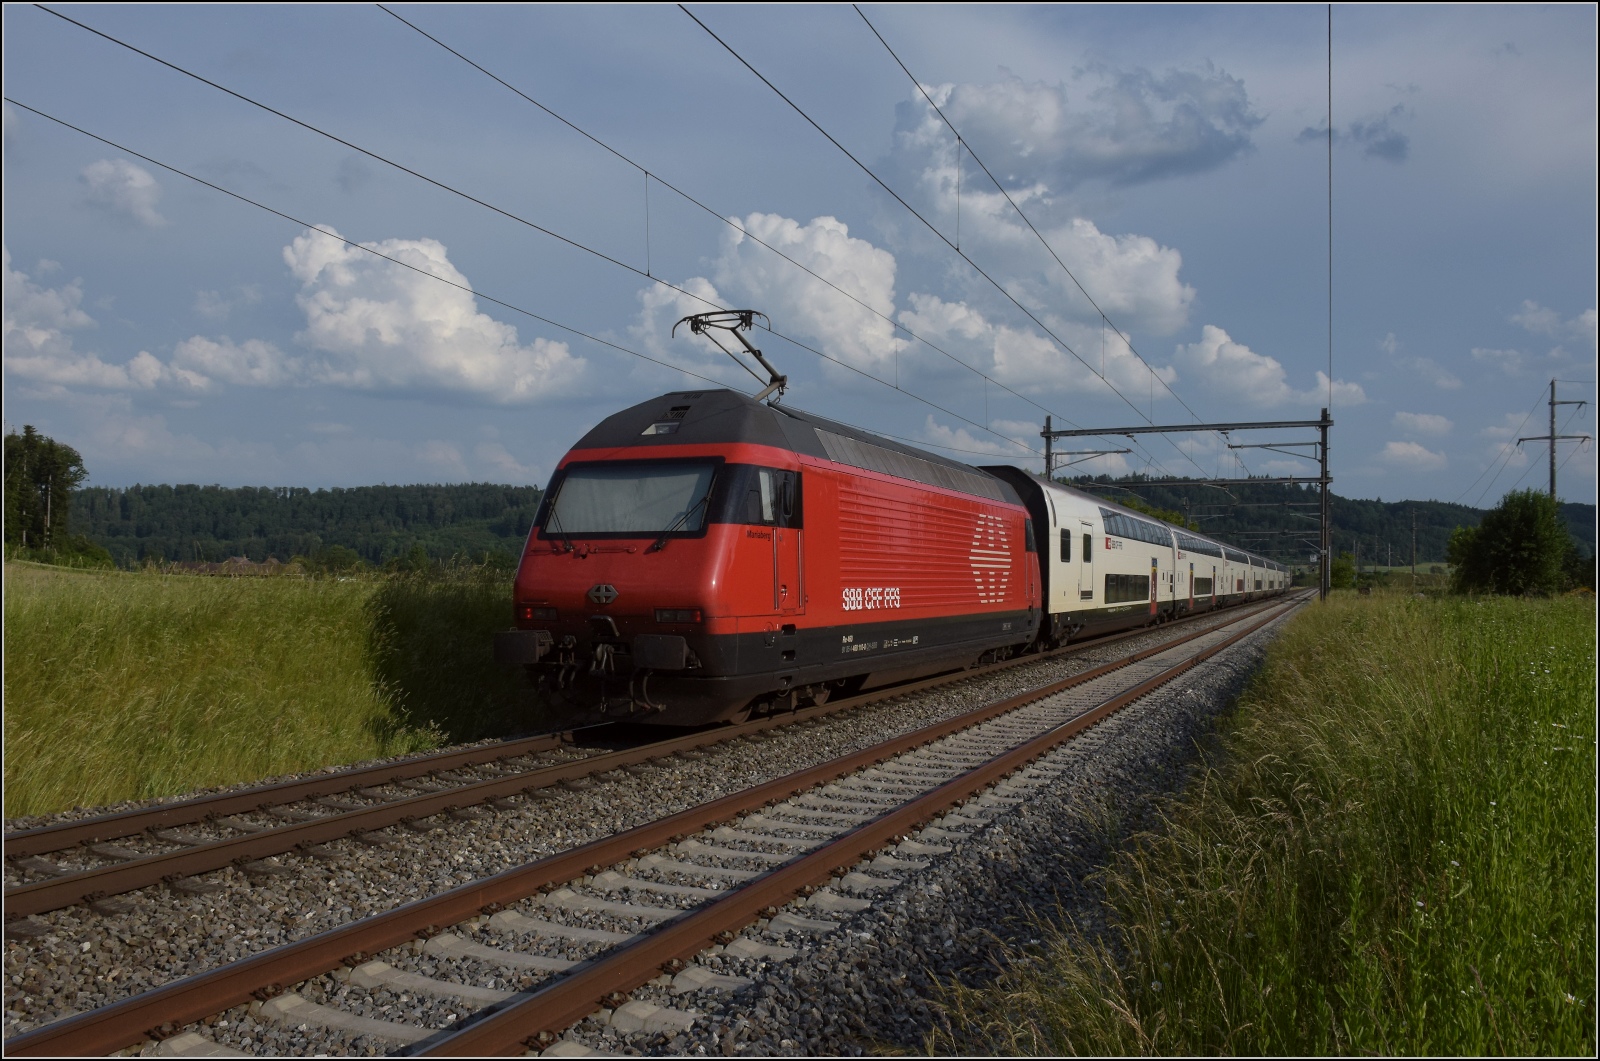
(1376, 135)
(1541, 320)
(381, 327)
(39, 345)
(975, 448)
(1423, 423)
(801, 304)
(661, 307)
(1123, 127)
(252, 363)
(1225, 366)
(1027, 360)
(1412, 457)
(124, 190)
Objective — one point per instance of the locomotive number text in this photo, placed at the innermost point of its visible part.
(871, 598)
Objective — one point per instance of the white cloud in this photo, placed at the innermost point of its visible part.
(1423, 423)
(802, 305)
(383, 327)
(661, 307)
(1124, 127)
(974, 448)
(125, 190)
(1231, 368)
(1026, 360)
(445, 456)
(252, 363)
(1412, 456)
(1541, 320)
(39, 347)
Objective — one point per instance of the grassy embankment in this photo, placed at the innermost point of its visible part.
(126, 685)
(1393, 852)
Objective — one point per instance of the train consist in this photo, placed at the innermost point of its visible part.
(703, 556)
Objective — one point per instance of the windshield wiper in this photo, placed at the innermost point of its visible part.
(566, 542)
(661, 542)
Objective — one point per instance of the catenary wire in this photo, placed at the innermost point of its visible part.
(962, 143)
(914, 212)
(507, 214)
(359, 246)
(1138, 444)
(736, 226)
(407, 265)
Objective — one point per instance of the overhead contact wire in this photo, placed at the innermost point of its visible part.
(521, 220)
(361, 246)
(963, 144)
(746, 233)
(915, 213)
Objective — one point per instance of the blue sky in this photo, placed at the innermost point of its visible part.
(1173, 158)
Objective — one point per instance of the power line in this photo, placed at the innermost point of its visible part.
(650, 175)
(423, 272)
(966, 145)
(360, 246)
(914, 212)
(1506, 450)
(521, 220)
(963, 144)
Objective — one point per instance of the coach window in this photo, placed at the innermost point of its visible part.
(1066, 547)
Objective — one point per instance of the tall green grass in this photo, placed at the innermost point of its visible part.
(1392, 852)
(126, 685)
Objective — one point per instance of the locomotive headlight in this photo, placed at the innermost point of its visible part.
(678, 615)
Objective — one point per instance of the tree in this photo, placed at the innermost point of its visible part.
(1519, 548)
(1342, 572)
(40, 477)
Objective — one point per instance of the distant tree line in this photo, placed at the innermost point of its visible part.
(394, 526)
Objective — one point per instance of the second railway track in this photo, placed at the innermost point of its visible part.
(835, 834)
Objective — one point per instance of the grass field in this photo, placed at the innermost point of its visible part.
(123, 685)
(1393, 852)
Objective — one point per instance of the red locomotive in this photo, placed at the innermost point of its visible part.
(702, 556)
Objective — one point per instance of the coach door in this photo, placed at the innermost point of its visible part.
(1086, 568)
(1155, 573)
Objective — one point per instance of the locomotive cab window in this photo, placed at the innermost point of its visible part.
(767, 497)
(629, 498)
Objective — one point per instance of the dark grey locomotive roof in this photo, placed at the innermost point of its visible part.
(711, 417)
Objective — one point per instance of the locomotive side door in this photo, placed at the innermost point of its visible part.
(782, 488)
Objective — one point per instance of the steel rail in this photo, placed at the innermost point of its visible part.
(46, 838)
(164, 1010)
(514, 1028)
(118, 878)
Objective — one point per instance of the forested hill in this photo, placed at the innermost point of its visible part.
(214, 523)
(1278, 521)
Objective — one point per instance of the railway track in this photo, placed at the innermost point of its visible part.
(687, 882)
(99, 858)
